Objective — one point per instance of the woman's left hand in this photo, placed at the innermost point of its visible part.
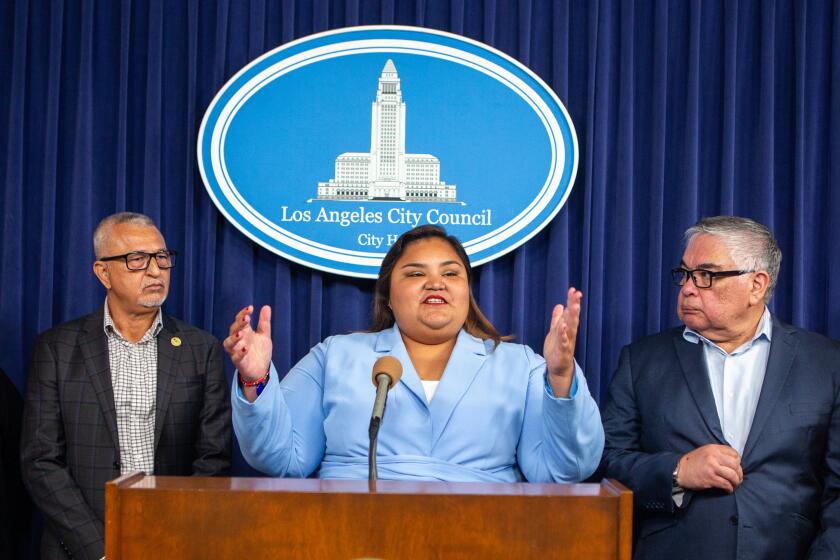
(559, 346)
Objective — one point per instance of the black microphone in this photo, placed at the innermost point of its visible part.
(386, 373)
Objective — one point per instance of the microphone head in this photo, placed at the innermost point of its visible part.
(390, 366)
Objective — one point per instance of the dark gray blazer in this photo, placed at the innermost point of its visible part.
(660, 406)
(69, 441)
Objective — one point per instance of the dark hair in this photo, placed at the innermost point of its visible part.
(383, 318)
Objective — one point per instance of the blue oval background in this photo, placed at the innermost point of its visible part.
(285, 137)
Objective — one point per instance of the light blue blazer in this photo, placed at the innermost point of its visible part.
(492, 418)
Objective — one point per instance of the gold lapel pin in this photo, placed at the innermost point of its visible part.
(175, 341)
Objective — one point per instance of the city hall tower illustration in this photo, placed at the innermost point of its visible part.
(387, 172)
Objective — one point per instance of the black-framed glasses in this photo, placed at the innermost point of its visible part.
(701, 277)
(139, 260)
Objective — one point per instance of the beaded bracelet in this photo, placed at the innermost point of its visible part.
(245, 383)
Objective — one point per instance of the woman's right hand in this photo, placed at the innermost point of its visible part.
(249, 349)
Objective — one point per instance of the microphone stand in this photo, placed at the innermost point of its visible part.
(373, 432)
(383, 380)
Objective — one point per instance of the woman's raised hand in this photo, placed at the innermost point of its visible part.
(249, 349)
(559, 347)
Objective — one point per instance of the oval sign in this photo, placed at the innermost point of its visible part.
(326, 149)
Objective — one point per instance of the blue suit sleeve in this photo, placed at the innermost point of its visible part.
(562, 438)
(648, 475)
(827, 543)
(282, 432)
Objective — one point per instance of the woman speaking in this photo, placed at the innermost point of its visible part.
(468, 407)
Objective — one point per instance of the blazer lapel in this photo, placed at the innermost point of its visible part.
(167, 355)
(390, 342)
(466, 360)
(94, 346)
(467, 357)
(693, 366)
(779, 362)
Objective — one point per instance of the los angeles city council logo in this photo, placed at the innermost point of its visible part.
(325, 149)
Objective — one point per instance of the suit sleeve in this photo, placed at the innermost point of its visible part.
(562, 438)
(212, 446)
(648, 475)
(44, 466)
(282, 432)
(827, 543)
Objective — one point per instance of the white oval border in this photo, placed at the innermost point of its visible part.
(348, 48)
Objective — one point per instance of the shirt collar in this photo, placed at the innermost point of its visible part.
(765, 330)
(111, 329)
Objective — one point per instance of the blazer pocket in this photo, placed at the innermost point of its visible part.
(188, 387)
(817, 408)
(803, 416)
(654, 525)
(190, 379)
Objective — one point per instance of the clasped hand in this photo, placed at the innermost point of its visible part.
(711, 466)
(559, 346)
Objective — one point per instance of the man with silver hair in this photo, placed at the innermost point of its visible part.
(727, 429)
(124, 389)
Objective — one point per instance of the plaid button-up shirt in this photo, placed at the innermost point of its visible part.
(134, 380)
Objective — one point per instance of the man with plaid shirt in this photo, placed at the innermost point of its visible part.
(124, 389)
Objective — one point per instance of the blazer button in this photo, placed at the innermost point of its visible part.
(734, 519)
(117, 465)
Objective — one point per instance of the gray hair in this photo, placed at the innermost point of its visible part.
(750, 244)
(103, 230)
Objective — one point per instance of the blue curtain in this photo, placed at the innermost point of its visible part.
(683, 109)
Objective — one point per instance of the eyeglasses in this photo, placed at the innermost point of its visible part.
(139, 260)
(702, 278)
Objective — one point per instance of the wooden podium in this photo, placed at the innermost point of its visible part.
(250, 518)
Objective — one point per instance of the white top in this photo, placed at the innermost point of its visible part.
(429, 387)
